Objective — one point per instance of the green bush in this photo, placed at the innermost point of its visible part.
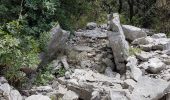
(17, 50)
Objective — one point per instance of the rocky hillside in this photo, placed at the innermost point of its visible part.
(104, 62)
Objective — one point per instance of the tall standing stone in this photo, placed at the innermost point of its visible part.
(118, 43)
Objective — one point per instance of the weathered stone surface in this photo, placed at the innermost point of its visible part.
(132, 32)
(149, 43)
(142, 41)
(116, 95)
(149, 89)
(83, 48)
(70, 95)
(130, 84)
(159, 35)
(84, 82)
(15, 95)
(91, 25)
(155, 65)
(136, 73)
(118, 44)
(109, 72)
(144, 56)
(64, 62)
(57, 46)
(37, 97)
(96, 33)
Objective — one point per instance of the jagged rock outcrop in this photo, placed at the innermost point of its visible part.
(118, 44)
(132, 32)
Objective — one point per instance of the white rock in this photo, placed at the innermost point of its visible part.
(132, 32)
(159, 35)
(109, 72)
(118, 43)
(136, 73)
(37, 97)
(91, 25)
(149, 89)
(114, 95)
(144, 56)
(130, 84)
(15, 95)
(155, 65)
(70, 95)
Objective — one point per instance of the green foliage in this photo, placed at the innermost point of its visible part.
(133, 51)
(61, 72)
(16, 50)
(45, 76)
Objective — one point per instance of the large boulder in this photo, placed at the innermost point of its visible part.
(149, 89)
(118, 43)
(155, 65)
(132, 32)
(57, 46)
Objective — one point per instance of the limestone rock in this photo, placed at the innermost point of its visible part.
(132, 32)
(136, 73)
(149, 89)
(116, 95)
(155, 65)
(144, 56)
(37, 97)
(118, 44)
(85, 82)
(70, 95)
(159, 35)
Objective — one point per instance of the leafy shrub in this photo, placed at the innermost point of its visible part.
(16, 50)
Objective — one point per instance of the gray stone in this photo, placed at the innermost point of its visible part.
(144, 56)
(136, 73)
(38, 97)
(67, 75)
(130, 84)
(83, 48)
(149, 43)
(85, 64)
(64, 62)
(109, 72)
(155, 65)
(118, 43)
(91, 25)
(70, 95)
(96, 33)
(159, 35)
(142, 41)
(149, 89)
(108, 63)
(84, 82)
(44, 89)
(15, 95)
(132, 32)
(95, 95)
(116, 95)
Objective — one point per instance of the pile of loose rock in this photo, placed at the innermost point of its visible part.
(99, 66)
